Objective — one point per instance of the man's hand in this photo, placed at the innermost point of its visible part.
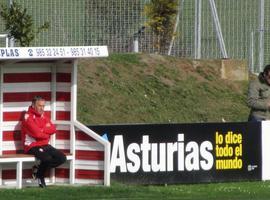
(49, 128)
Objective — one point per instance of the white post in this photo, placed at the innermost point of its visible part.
(7, 42)
(72, 151)
(261, 36)
(107, 154)
(136, 44)
(218, 28)
(19, 174)
(53, 99)
(74, 91)
(53, 112)
(11, 42)
(73, 117)
(198, 14)
(53, 91)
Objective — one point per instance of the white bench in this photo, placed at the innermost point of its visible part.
(83, 148)
(19, 159)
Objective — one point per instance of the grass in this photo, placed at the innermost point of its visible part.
(142, 88)
(218, 191)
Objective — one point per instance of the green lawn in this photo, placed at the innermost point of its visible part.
(218, 191)
(148, 88)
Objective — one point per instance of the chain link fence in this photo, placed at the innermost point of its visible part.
(118, 23)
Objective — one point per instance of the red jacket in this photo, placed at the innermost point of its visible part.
(36, 129)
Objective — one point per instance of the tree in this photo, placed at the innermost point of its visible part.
(19, 24)
(161, 16)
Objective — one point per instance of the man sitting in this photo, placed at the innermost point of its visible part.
(36, 132)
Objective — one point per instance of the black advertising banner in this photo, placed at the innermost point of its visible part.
(184, 153)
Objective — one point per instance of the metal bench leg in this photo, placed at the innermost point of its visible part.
(1, 175)
(52, 176)
(19, 174)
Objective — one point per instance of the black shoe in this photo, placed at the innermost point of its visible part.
(41, 182)
(34, 172)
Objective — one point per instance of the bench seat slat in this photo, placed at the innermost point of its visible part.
(23, 157)
(16, 156)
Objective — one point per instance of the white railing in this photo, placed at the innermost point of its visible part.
(107, 149)
(95, 136)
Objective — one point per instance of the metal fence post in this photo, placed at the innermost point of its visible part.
(251, 53)
(261, 35)
(197, 41)
(218, 28)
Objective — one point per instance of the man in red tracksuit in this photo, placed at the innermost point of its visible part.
(36, 130)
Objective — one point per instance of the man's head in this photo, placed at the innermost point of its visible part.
(266, 74)
(38, 103)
